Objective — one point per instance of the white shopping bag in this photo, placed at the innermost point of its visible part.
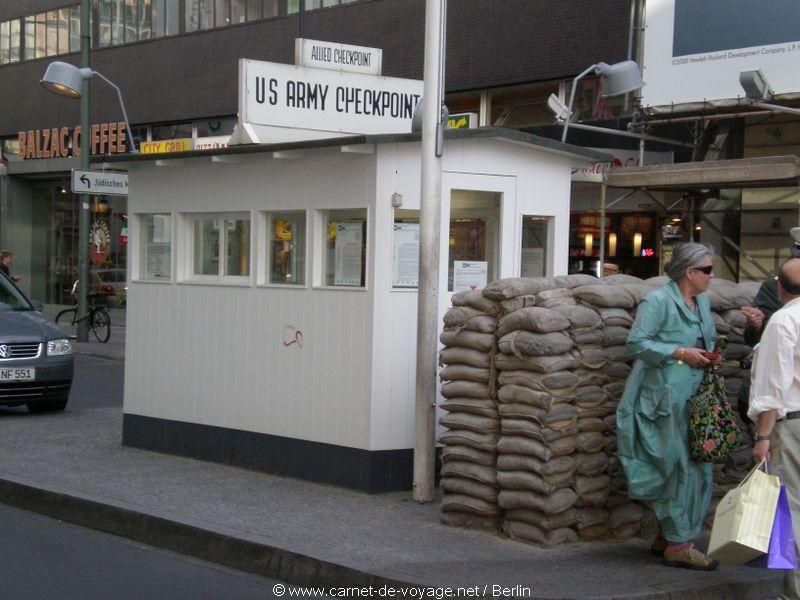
(743, 519)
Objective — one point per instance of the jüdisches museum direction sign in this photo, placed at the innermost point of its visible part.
(101, 183)
(287, 96)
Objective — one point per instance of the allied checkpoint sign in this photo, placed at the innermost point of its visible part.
(694, 50)
(279, 102)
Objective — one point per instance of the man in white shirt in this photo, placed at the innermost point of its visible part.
(775, 399)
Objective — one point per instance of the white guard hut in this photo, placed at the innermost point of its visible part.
(272, 300)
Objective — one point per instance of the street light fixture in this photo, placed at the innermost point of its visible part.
(616, 79)
(67, 80)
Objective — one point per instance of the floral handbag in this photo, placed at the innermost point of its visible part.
(713, 431)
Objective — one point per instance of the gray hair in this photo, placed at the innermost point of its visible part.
(687, 255)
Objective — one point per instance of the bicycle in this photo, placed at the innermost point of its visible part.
(98, 318)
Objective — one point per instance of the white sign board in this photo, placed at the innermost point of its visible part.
(338, 57)
(405, 257)
(347, 254)
(101, 183)
(596, 172)
(208, 143)
(470, 275)
(302, 101)
(695, 49)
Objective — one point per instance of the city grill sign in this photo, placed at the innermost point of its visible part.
(105, 138)
(287, 96)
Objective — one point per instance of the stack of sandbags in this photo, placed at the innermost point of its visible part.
(538, 420)
(469, 453)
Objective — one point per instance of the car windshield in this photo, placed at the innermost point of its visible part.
(10, 297)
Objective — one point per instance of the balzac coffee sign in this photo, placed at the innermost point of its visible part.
(106, 138)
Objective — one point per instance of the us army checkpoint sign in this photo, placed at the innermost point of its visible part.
(100, 183)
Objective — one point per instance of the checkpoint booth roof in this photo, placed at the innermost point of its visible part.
(272, 299)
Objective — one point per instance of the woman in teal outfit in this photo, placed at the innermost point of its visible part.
(673, 328)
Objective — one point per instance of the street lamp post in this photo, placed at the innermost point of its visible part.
(70, 81)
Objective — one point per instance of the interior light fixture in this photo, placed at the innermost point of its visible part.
(612, 244)
(588, 243)
(637, 244)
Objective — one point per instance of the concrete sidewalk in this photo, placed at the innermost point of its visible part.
(113, 349)
(72, 466)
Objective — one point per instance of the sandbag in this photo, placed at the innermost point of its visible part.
(481, 324)
(542, 521)
(465, 373)
(465, 453)
(586, 484)
(524, 480)
(605, 296)
(659, 281)
(464, 356)
(617, 370)
(598, 498)
(518, 303)
(518, 394)
(581, 318)
(534, 318)
(590, 517)
(544, 451)
(470, 422)
(622, 279)
(627, 513)
(590, 442)
(457, 316)
(512, 287)
(736, 351)
(486, 442)
(560, 383)
(590, 395)
(552, 504)
(589, 339)
(592, 358)
(474, 299)
(518, 530)
(468, 487)
(527, 343)
(616, 316)
(591, 424)
(522, 462)
(614, 388)
(468, 504)
(614, 335)
(511, 426)
(483, 408)
(720, 324)
(589, 378)
(576, 280)
(560, 417)
(465, 389)
(540, 364)
(592, 464)
(618, 354)
(468, 339)
(735, 318)
(637, 291)
(469, 470)
(554, 298)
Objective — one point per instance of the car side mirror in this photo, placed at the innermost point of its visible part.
(38, 306)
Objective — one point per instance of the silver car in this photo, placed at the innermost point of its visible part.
(36, 361)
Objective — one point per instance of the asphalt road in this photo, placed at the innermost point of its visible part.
(97, 383)
(42, 558)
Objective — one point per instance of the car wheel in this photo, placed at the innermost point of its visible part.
(48, 405)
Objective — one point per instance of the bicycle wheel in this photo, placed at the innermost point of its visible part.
(101, 325)
(66, 322)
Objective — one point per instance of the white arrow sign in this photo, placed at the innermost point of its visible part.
(101, 183)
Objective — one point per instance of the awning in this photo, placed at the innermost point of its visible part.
(768, 171)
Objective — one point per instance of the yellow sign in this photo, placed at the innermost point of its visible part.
(164, 146)
(283, 230)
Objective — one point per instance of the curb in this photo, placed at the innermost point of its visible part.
(117, 356)
(200, 541)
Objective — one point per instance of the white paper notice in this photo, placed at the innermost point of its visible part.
(161, 229)
(405, 258)
(347, 254)
(157, 263)
(469, 275)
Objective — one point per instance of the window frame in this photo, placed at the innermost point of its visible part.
(187, 273)
(265, 221)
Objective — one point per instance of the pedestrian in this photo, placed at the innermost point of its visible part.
(765, 304)
(775, 399)
(672, 331)
(5, 262)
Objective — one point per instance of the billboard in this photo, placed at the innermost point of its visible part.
(694, 50)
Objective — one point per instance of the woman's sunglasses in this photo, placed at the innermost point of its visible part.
(707, 270)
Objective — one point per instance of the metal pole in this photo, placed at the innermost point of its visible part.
(691, 219)
(302, 10)
(430, 225)
(84, 199)
(602, 226)
(572, 100)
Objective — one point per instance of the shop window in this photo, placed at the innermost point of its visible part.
(211, 234)
(63, 31)
(145, 19)
(215, 127)
(156, 247)
(41, 35)
(344, 246)
(286, 247)
(75, 28)
(29, 52)
(117, 22)
(238, 11)
(474, 239)
(405, 249)
(534, 259)
(51, 47)
(171, 131)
